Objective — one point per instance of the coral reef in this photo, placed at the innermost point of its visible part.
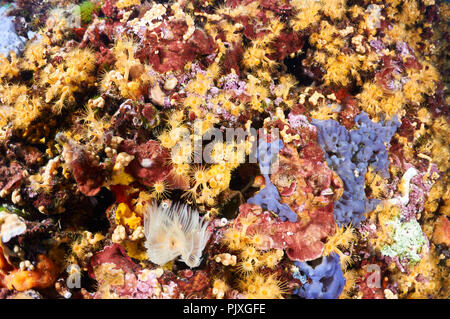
(224, 149)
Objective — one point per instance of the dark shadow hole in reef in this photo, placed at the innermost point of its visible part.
(241, 182)
(26, 75)
(176, 195)
(294, 66)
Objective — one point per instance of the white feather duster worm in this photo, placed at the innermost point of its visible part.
(174, 230)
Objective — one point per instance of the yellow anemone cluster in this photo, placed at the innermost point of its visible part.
(82, 247)
(18, 107)
(71, 73)
(208, 183)
(374, 100)
(253, 257)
